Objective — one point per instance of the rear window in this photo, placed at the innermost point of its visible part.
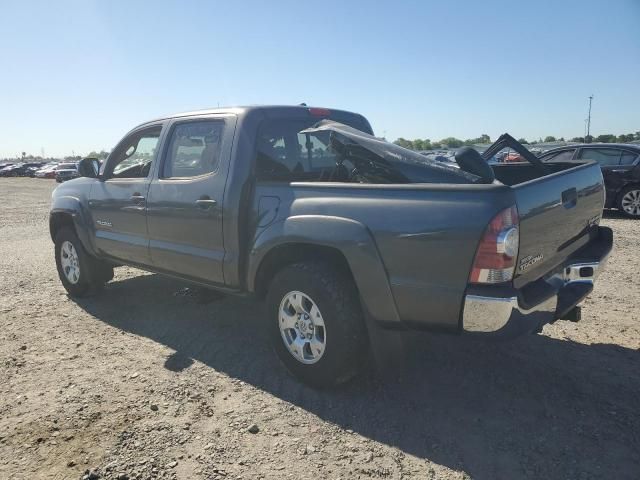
(604, 156)
(563, 156)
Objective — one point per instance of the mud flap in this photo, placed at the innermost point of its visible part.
(388, 349)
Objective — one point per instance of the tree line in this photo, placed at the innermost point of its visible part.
(452, 142)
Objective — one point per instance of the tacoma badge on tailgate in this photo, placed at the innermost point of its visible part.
(529, 260)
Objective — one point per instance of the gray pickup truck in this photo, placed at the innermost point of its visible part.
(341, 233)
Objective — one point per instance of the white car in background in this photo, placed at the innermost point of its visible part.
(47, 171)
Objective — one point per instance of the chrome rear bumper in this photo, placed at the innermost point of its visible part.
(508, 312)
(491, 314)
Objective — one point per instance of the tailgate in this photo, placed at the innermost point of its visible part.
(558, 213)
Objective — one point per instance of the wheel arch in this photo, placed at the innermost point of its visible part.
(289, 253)
(345, 243)
(60, 219)
(68, 212)
(631, 184)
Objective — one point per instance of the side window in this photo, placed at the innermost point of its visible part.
(628, 158)
(194, 149)
(134, 157)
(604, 156)
(563, 156)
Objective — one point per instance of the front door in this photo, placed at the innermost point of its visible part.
(185, 201)
(117, 203)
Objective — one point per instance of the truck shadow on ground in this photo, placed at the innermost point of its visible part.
(534, 408)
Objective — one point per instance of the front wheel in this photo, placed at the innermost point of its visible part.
(629, 201)
(79, 273)
(316, 324)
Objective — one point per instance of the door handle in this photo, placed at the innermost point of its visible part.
(137, 198)
(205, 203)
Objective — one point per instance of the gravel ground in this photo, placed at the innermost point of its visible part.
(147, 380)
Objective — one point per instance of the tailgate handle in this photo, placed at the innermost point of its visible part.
(569, 198)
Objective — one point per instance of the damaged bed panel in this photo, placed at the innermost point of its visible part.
(368, 159)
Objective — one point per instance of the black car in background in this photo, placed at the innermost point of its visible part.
(620, 168)
(20, 169)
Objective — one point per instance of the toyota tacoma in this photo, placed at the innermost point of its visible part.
(340, 232)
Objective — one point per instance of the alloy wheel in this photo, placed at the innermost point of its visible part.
(302, 327)
(70, 262)
(631, 202)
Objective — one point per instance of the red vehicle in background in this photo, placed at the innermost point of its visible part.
(513, 157)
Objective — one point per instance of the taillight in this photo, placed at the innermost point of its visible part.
(319, 112)
(497, 252)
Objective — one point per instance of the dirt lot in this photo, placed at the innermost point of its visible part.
(146, 381)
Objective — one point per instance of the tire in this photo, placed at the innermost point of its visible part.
(339, 336)
(91, 274)
(629, 201)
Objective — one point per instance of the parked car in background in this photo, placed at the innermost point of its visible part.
(620, 164)
(66, 171)
(19, 170)
(47, 171)
(6, 170)
(32, 168)
(513, 157)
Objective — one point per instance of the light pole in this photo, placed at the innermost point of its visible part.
(588, 137)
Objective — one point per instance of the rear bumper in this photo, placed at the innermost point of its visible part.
(506, 311)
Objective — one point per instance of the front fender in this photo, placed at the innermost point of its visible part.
(348, 236)
(72, 207)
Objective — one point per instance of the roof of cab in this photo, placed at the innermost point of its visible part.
(237, 110)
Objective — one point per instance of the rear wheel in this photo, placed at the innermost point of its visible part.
(316, 324)
(79, 273)
(629, 201)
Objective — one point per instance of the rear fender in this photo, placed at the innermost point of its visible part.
(352, 239)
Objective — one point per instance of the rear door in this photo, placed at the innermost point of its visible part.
(185, 204)
(118, 203)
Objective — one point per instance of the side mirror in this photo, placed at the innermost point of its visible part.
(470, 161)
(89, 167)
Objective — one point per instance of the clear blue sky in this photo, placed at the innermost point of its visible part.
(76, 75)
